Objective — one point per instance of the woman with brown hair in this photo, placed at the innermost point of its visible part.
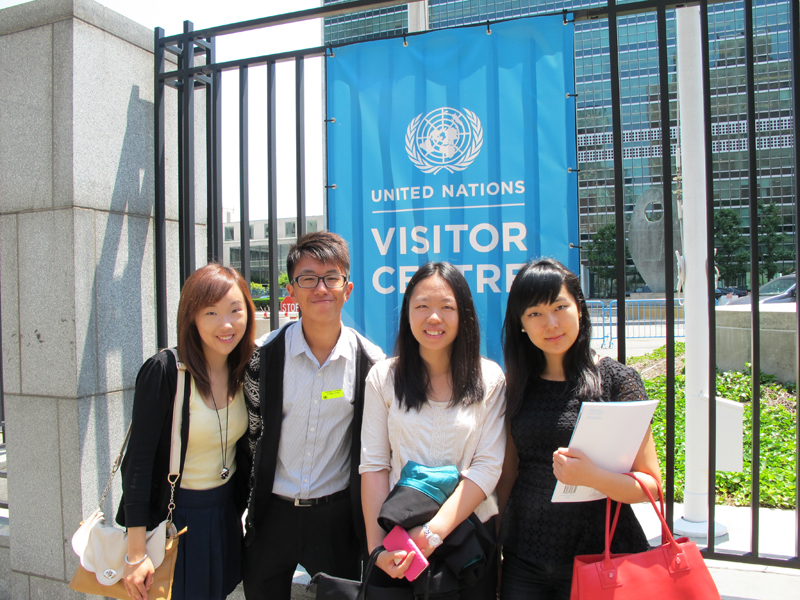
(215, 341)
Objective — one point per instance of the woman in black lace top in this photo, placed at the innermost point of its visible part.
(550, 371)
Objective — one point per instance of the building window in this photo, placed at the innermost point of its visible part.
(266, 231)
(291, 229)
(229, 234)
(252, 233)
(236, 256)
(311, 226)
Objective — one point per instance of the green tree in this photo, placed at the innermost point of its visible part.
(257, 290)
(283, 279)
(771, 239)
(731, 258)
(602, 256)
(602, 252)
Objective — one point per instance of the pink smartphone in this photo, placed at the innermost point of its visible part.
(398, 539)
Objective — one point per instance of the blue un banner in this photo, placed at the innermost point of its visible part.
(453, 147)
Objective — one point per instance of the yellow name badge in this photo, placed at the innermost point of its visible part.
(331, 394)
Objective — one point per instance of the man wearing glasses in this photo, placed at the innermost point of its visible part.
(304, 390)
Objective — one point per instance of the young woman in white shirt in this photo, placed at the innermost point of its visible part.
(437, 402)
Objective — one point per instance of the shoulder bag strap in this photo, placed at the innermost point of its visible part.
(115, 467)
(175, 444)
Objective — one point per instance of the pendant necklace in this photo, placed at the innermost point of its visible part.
(223, 474)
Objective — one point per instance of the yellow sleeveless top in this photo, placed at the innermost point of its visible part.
(204, 452)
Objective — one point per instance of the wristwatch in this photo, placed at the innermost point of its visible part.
(434, 541)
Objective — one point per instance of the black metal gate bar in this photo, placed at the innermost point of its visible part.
(186, 157)
(755, 323)
(159, 207)
(632, 8)
(795, 29)
(328, 10)
(214, 158)
(711, 281)
(619, 189)
(300, 143)
(244, 176)
(669, 251)
(272, 214)
(233, 65)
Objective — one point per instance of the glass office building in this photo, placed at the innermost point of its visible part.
(640, 102)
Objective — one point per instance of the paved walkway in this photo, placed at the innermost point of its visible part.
(633, 347)
(739, 581)
(777, 528)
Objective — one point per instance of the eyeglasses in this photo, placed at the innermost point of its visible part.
(311, 281)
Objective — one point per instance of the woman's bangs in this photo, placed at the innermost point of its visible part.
(541, 287)
(212, 288)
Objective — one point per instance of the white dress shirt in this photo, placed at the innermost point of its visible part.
(314, 449)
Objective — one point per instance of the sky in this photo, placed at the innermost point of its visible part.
(170, 15)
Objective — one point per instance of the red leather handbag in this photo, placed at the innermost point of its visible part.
(673, 571)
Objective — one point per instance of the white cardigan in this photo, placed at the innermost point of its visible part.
(473, 438)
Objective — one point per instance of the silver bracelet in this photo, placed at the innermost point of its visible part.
(138, 562)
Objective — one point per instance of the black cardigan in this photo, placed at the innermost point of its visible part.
(270, 405)
(145, 489)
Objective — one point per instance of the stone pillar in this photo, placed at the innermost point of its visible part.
(76, 264)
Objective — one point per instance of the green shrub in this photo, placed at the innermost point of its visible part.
(257, 290)
(263, 303)
(778, 437)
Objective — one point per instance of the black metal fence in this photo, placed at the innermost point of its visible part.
(193, 47)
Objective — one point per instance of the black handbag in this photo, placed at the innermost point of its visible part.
(336, 588)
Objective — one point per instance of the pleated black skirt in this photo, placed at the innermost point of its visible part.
(209, 553)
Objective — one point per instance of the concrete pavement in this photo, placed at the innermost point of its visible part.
(740, 581)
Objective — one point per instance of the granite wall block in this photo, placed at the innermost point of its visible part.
(34, 485)
(9, 303)
(26, 110)
(47, 322)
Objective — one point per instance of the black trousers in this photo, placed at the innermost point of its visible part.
(321, 538)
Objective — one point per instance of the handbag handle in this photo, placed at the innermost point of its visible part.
(373, 558)
(371, 561)
(666, 535)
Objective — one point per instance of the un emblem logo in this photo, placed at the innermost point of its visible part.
(445, 138)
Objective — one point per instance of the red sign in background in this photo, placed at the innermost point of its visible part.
(289, 305)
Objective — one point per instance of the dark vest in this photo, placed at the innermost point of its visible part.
(270, 391)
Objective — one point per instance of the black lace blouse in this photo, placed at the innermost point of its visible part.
(536, 529)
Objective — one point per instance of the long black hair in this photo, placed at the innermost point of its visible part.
(412, 380)
(539, 282)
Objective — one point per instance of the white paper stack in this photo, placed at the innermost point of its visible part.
(610, 434)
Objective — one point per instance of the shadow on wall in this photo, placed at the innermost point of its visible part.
(117, 311)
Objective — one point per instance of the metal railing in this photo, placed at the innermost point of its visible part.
(597, 313)
(646, 319)
(642, 318)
